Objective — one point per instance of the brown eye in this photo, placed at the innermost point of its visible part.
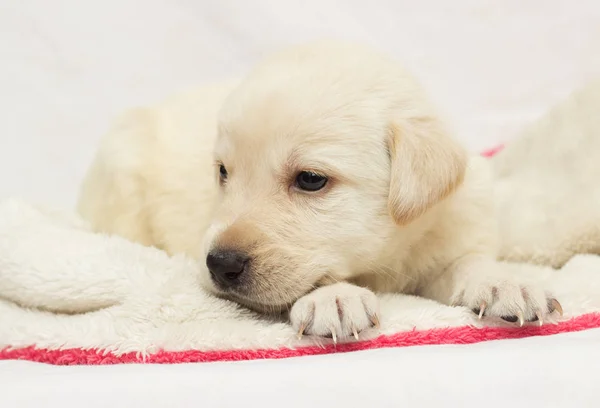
(222, 172)
(309, 181)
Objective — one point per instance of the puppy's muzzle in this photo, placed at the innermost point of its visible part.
(226, 267)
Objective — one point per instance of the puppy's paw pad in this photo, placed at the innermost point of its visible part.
(337, 311)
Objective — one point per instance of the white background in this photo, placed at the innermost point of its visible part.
(67, 67)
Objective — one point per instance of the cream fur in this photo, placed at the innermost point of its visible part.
(405, 210)
(535, 225)
(127, 297)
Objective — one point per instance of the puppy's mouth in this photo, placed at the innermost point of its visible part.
(252, 304)
(248, 288)
(247, 296)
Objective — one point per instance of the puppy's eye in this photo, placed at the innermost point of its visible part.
(222, 172)
(309, 181)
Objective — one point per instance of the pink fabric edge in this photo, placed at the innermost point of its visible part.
(457, 335)
(491, 152)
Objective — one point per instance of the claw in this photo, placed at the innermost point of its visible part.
(301, 331)
(482, 309)
(375, 320)
(333, 336)
(521, 319)
(555, 305)
(538, 314)
(355, 333)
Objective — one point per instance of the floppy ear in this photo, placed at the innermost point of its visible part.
(427, 165)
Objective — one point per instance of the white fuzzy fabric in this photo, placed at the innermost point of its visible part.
(148, 301)
(69, 66)
(125, 297)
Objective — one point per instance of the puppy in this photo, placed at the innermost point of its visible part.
(322, 178)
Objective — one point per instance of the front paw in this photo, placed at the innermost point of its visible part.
(510, 299)
(338, 311)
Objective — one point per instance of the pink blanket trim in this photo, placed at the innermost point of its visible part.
(456, 335)
(492, 151)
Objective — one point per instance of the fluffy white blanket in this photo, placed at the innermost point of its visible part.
(124, 297)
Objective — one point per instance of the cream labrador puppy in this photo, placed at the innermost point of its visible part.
(322, 178)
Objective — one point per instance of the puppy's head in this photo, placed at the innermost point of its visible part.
(324, 153)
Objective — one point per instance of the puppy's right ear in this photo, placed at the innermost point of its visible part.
(427, 165)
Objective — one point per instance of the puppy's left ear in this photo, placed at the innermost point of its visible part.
(427, 165)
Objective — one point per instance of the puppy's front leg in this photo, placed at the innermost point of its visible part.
(338, 310)
(494, 289)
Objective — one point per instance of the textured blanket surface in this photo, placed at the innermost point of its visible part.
(133, 303)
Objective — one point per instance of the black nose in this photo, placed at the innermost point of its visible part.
(226, 267)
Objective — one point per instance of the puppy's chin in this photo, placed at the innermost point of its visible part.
(273, 307)
(262, 308)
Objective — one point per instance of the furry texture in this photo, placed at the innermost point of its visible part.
(127, 298)
(106, 293)
(553, 210)
(459, 335)
(142, 305)
(404, 208)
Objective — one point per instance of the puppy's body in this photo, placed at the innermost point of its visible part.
(403, 208)
(152, 174)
